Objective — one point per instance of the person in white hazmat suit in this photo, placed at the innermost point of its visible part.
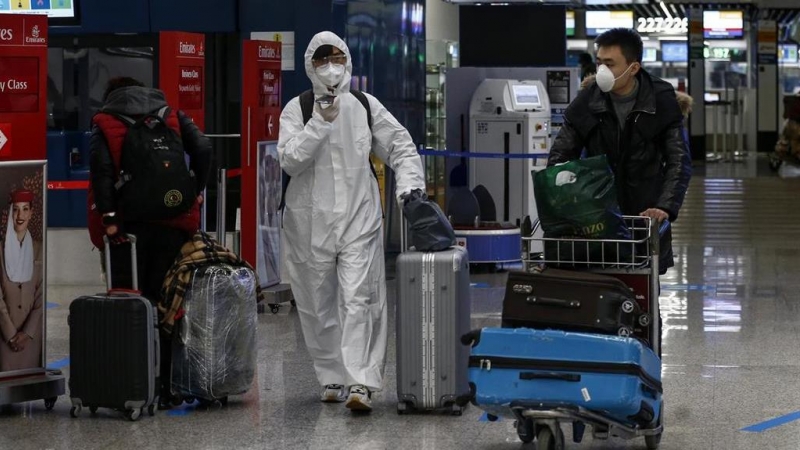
(333, 222)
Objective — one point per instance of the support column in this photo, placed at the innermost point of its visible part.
(767, 117)
(697, 83)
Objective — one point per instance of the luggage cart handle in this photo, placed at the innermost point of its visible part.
(134, 261)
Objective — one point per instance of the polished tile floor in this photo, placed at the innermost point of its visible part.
(731, 310)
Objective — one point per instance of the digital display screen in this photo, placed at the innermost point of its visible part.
(725, 54)
(570, 23)
(526, 95)
(787, 53)
(674, 52)
(712, 96)
(598, 22)
(650, 55)
(722, 24)
(64, 9)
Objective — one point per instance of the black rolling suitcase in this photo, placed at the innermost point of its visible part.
(572, 301)
(114, 349)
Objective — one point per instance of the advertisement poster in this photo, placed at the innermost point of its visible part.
(182, 60)
(261, 174)
(269, 218)
(23, 87)
(22, 268)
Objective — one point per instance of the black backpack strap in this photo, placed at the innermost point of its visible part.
(307, 105)
(127, 120)
(365, 102)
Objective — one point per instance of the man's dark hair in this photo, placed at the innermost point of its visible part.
(120, 82)
(323, 51)
(628, 40)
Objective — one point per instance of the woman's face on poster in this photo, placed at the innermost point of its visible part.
(21, 215)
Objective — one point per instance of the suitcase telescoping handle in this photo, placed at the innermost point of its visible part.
(134, 269)
(403, 232)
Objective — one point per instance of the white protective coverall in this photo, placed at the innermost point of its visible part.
(333, 225)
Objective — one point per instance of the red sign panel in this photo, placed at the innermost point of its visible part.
(181, 72)
(23, 87)
(19, 84)
(261, 111)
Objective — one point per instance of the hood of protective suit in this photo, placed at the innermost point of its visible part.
(134, 101)
(328, 38)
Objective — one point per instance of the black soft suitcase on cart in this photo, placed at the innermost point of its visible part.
(114, 349)
(572, 301)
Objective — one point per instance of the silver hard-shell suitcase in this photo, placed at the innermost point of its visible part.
(433, 312)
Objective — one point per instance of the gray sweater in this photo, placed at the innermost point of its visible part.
(623, 104)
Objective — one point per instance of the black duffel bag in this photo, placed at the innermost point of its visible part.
(430, 231)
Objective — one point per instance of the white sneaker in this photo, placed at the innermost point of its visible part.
(333, 393)
(360, 399)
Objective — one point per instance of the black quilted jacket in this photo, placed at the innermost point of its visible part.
(650, 158)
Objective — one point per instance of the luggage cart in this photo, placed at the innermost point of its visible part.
(542, 421)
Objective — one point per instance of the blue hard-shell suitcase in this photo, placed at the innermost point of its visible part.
(618, 377)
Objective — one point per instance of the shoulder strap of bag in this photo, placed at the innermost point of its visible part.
(307, 105)
(365, 102)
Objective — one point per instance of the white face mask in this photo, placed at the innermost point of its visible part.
(605, 77)
(331, 74)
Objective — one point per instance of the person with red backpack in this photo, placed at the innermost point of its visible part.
(141, 184)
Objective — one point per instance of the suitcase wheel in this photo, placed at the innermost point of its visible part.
(526, 430)
(74, 411)
(653, 442)
(93, 410)
(274, 308)
(548, 440)
(50, 403)
(402, 408)
(133, 414)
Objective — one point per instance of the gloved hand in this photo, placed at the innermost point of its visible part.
(329, 113)
(416, 194)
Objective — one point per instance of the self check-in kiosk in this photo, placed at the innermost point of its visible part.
(510, 117)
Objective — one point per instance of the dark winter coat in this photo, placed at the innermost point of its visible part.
(650, 157)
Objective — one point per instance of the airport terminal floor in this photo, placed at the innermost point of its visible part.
(731, 313)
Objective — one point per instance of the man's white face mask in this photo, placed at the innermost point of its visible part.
(331, 74)
(605, 77)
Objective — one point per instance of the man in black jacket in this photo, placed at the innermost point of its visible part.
(634, 119)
